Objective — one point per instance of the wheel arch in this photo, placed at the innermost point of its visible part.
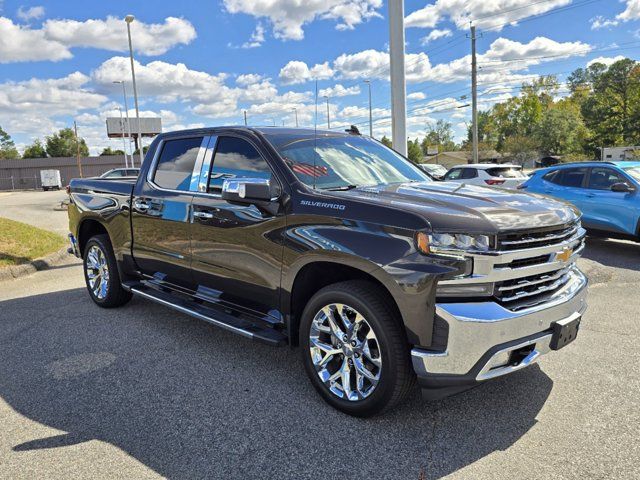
(317, 274)
(88, 228)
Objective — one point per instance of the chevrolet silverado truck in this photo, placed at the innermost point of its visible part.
(339, 245)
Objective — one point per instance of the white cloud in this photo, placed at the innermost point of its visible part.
(56, 38)
(416, 96)
(248, 79)
(435, 35)
(631, 12)
(111, 34)
(606, 60)
(256, 39)
(28, 14)
(22, 44)
(31, 106)
(601, 22)
(289, 16)
(297, 71)
(485, 14)
(339, 90)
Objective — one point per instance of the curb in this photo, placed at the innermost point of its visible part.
(44, 263)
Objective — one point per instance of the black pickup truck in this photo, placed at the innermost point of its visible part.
(337, 244)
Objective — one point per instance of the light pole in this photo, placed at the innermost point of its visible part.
(124, 145)
(368, 82)
(328, 119)
(126, 111)
(295, 110)
(129, 19)
(397, 73)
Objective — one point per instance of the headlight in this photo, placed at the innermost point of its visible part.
(458, 241)
(452, 242)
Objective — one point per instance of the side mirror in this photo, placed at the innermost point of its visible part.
(247, 190)
(622, 187)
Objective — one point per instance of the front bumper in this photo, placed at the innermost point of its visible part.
(482, 336)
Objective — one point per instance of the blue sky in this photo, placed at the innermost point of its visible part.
(204, 62)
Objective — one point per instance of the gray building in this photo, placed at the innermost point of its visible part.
(24, 173)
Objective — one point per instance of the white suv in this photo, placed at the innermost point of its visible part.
(492, 174)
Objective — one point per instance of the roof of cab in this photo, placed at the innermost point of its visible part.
(486, 166)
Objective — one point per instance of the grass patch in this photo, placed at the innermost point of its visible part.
(21, 243)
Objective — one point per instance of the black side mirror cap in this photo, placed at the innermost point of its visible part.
(622, 187)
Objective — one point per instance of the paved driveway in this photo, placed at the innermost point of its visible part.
(37, 208)
(144, 392)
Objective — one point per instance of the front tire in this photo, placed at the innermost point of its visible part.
(355, 350)
(101, 274)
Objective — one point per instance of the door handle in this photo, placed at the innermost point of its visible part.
(204, 215)
(140, 205)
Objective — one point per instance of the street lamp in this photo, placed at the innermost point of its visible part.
(129, 19)
(124, 144)
(328, 120)
(126, 110)
(368, 82)
(295, 110)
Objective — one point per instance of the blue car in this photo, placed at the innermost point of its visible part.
(607, 193)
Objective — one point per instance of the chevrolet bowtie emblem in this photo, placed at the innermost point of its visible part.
(564, 255)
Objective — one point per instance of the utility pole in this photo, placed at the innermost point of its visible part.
(368, 82)
(474, 97)
(129, 19)
(245, 117)
(75, 129)
(398, 85)
(328, 120)
(295, 110)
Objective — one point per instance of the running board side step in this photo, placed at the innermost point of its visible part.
(211, 315)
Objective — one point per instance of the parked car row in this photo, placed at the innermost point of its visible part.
(605, 192)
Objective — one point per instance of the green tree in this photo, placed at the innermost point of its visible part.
(612, 110)
(438, 135)
(109, 151)
(35, 150)
(145, 149)
(560, 131)
(7, 146)
(63, 144)
(385, 141)
(414, 152)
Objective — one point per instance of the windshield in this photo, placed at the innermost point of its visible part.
(633, 172)
(343, 161)
(506, 172)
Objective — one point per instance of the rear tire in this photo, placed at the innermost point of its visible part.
(335, 357)
(101, 274)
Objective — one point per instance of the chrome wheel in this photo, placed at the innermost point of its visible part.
(345, 352)
(97, 272)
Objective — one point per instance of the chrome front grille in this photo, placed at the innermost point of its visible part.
(537, 238)
(528, 268)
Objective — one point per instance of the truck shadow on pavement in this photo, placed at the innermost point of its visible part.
(613, 253)
(189, 400)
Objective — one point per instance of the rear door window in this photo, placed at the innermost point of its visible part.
(175, 164)
(236, 158)
(602, 178)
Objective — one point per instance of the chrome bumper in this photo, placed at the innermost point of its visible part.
(477, 328)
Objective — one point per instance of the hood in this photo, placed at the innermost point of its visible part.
(457, 207)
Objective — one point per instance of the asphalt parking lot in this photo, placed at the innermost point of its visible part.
(144, 392)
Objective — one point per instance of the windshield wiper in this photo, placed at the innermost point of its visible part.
(341, 188)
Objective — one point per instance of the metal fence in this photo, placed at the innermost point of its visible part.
(24, 174)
